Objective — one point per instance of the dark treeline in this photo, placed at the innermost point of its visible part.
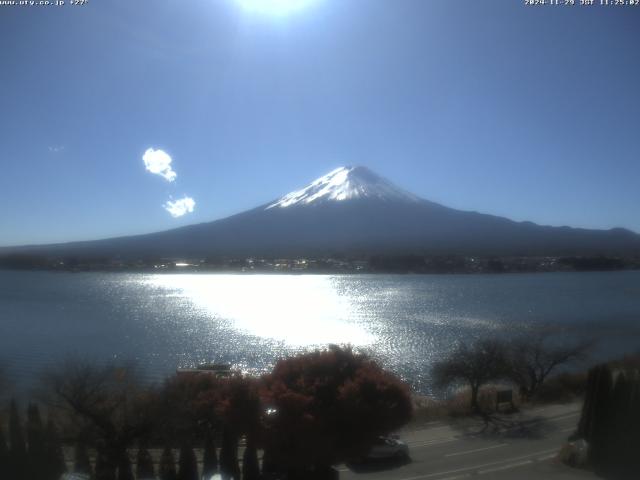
(310, 413)
(32, 449)
(409, 263)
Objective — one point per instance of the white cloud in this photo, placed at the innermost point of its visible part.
(56, 148)
(180, 207)
(159, 162)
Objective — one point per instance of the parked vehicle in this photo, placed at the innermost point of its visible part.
(388, 448)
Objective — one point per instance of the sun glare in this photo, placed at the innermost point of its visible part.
(297, 310)
(274, 7)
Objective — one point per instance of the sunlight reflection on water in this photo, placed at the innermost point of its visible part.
(297, 310)
(406, 322)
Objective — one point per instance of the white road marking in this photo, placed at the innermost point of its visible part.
(504, 467)
(465, 452)
(436, 441)
(430, 430)
(442, 440)
(547, 457)
(476, 467)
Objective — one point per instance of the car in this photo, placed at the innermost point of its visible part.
(388, 447)
(75, 476)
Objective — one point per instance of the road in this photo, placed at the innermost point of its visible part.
(518, 446)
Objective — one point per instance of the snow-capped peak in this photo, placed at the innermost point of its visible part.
(345, 183)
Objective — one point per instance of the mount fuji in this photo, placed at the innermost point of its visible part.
(346, 183)
(352, 210)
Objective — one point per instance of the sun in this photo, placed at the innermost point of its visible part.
(274, 7)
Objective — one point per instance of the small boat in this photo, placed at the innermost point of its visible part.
(217, 369)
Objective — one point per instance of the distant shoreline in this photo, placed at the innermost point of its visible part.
(381, 264)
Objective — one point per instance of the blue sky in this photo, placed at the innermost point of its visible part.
(528, 112)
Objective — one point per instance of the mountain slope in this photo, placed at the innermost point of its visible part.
(354, 211)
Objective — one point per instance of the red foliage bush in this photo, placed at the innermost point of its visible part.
(329, 406)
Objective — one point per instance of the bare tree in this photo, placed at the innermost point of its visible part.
(532, 358)
(475, 365)
(105, 400)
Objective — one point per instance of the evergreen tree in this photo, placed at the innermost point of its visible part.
(229, 468)
(585, 425)
(105, 470)
(210, 458)
(125, 471)
(144, 464)
(168, 465)
(600, 440)
(250, 466)
(4, 452)
(54, 455)
(634, 422)
(623, 447)
(17, 447)
(81, 462)
(268, 465)
(188, 464)
(36, 455)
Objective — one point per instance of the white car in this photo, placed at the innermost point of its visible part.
(388, 448)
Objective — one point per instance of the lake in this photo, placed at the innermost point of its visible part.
(162, 321)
